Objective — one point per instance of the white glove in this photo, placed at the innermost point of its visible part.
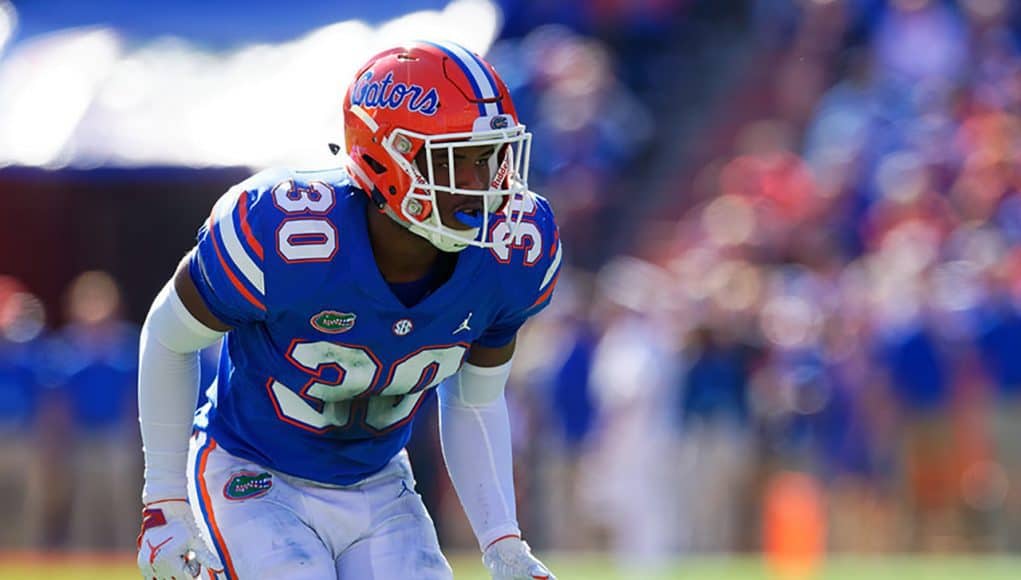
(170, 544)
(512, 559)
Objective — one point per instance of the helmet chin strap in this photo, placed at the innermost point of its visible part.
(443, 243)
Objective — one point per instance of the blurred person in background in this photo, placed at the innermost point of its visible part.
(572, 409)
(856, 426)
(554, 366)
(23, 461)
(99, 357)
(634, 368)
(715, 437)
(930, 374)
(427, 252)
(999, 341)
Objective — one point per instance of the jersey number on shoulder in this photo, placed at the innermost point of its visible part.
(305, 235)
(527, 236)
(344, 385)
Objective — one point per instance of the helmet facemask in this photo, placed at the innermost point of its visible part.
(508, 182)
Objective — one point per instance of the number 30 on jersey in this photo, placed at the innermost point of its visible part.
(388, 401)
(305, 235)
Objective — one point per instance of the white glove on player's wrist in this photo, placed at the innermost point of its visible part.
(170, 544)
(512, 559)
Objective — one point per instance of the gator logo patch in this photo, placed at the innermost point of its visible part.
(333, 322)
(248, 485)
(499, 122)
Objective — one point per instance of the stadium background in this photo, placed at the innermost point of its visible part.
(791, 323)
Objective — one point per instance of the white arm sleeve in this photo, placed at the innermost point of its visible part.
(475, 435)
(168, 381)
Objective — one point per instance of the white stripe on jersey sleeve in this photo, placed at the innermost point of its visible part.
(553, 266)
(223, 213)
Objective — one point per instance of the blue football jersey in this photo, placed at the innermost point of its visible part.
(20, 384)
(100, 367)
(325, 368)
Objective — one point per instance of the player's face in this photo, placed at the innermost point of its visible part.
(471, 171)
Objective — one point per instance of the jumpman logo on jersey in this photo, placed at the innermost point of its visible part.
(464, 324)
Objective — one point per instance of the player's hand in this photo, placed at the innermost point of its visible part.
(512, 559)
(170, 545)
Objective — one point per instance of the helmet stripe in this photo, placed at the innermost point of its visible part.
(485, 71)
(481, 81)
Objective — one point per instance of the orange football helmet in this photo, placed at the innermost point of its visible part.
(435, 97)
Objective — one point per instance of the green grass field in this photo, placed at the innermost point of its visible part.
(600, 568)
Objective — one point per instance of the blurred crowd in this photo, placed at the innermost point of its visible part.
(832, 288)
(829, 285)
(70, 455)
(70, 459)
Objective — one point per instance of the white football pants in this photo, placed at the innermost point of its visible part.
(266, 525)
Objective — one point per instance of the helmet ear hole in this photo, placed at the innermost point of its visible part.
(376, 166)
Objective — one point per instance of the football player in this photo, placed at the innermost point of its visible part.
(347, 298)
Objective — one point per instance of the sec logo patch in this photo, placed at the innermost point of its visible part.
(403, 326)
